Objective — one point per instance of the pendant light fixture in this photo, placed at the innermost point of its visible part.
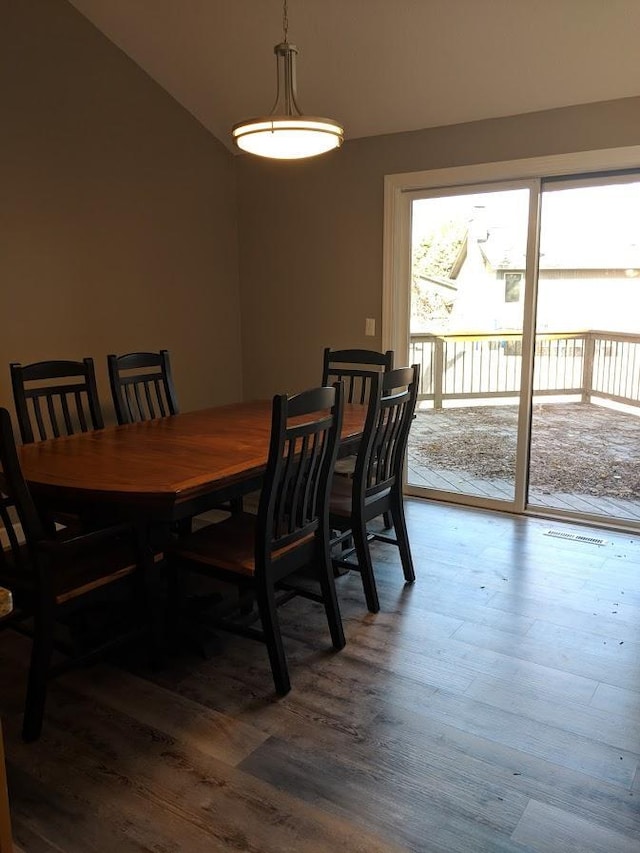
(285, 134)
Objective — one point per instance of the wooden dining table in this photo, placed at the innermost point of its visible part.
(162, 470)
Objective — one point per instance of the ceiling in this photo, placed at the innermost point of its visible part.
(380, 66)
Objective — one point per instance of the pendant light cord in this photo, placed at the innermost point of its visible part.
(285, 21)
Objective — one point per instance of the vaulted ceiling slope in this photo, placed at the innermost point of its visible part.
(380, 66)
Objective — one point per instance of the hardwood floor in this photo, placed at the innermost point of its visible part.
(492, 706)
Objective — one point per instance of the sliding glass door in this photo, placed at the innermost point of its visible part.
(524, 315)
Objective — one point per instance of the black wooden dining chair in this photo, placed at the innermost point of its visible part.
(355, 368)
(376, 486)
(142, 389)
(55, 398)
(53, 576)
(261, 553)
(142, 386)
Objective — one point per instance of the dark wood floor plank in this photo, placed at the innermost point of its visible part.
(447, 598)
(176, 797)
(603, 727)
(410, 805)
(544, 829)
(506, 766)
(608, 665)
(610, 764)
(321, 710)
(609, 648)
(604, 615)
(629, 595)
(218, 735)
(43, 811)
(617, 700)
(528, 676)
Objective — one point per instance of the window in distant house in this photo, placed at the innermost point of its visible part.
(512, 286)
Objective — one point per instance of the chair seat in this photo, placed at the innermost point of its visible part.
(82, 575)
(228, 545)
(75, 576)
(341, 498)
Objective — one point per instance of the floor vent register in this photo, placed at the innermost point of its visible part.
(576, 537)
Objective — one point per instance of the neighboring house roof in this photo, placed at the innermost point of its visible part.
(438, 281)
(461, 258)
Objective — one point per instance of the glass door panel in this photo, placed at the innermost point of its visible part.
(469, 252)
(585, 427)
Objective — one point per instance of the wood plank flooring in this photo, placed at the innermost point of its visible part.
(494, 705)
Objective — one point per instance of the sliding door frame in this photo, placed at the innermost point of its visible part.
(399, 193)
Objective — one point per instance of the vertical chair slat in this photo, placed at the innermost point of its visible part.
(80, 410)
(138, 413)
(66, 415)
(158, 389)
(129, 398)
(53, 418)
(42, 432)
(298, 485)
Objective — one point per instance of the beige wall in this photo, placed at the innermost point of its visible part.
(311, 232)
(117, 211)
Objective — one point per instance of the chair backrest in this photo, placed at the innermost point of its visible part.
(16, 506)
(384, 440)
(355, 368)
(142, 386)
(55, 398)
(305, 431)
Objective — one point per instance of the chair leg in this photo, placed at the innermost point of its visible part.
(365, 566)
(387, 520)
(397, 512)
(271, 627)
(41, 652)
(330, 599)
(175, 605)
(245, 601)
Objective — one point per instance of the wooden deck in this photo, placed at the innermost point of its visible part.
(491, 706)
(452, 479)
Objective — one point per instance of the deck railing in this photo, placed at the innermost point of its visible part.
(481, 366)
